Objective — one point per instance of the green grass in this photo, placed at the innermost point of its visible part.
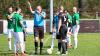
(89, 45)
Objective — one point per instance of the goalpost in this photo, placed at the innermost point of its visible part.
(51, 14)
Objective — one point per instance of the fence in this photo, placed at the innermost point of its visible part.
(86, 26)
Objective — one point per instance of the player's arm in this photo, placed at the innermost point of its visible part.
(9, 17)
(59, 24)
(21, 21)
(53, 22)
(30, 7)
(77, 19)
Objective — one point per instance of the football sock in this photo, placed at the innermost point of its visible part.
(63, 48)
(9, 42)
(66, 46)
(36, 47)
(59, 46)
(41, 46)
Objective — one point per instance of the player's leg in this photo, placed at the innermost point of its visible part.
(59, 47)
(53, 37)
(9, 38)
(64, 49)
(69, 40)
(75, 33)
(58, 36)
(36, 39)
(41, 36)
(15, 44)
(69, 37)
(63, 37)
(21, 42)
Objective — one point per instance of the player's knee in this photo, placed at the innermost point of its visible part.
(41, 40)
(36, 39)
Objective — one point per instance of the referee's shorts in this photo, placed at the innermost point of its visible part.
(39, 31)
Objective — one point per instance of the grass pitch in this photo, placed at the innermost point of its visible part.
(88, 45)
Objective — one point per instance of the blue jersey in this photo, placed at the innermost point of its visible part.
(39, 18)
(56, 21)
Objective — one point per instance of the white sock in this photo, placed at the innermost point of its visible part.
(53, 37)
(52, 44)
(75, 41)
(69, 39)
(9, 42)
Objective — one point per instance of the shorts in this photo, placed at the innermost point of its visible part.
(75, 29)
(62, 32)
(39, 31)
(10, 33)
(19, 37)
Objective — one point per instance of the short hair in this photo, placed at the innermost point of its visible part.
(17, 8)
(10, 6)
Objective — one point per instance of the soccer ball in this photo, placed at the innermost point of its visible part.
(49, 51)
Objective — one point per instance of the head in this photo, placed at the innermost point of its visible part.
(18, 10)
(39, 8)
(74, 9)
(61, 7)
(10, 9)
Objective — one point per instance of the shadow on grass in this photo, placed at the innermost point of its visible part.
(6, 54)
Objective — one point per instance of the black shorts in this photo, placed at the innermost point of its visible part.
(62, 32)
(39, 31)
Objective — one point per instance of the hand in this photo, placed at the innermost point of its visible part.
(69, 33)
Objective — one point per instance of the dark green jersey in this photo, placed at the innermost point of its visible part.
(69, 21)
(10, 22)
(69, 17)
(16, 21)
(75, 19)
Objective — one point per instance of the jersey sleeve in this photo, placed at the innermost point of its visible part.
(69, 18)
(6, 16)
(77, 18)
(20, 18)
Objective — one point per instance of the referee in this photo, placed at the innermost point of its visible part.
(39, 17)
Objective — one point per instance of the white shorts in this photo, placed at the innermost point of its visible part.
(10, 33)
(19, 37)
(75, 29)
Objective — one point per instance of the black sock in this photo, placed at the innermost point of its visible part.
(66, 46)
(59, 46)
(41, 46)
(36, 47)
(63, 48)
